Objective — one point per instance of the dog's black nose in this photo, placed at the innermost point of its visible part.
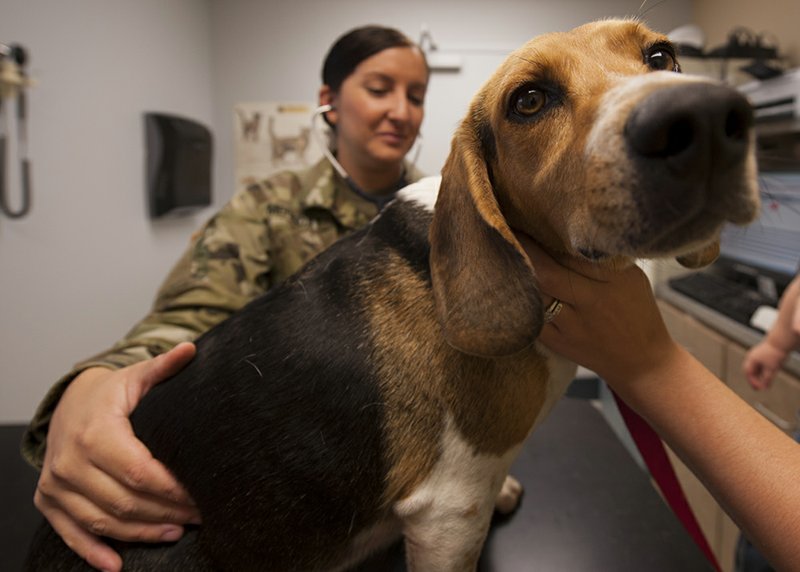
(691, 129)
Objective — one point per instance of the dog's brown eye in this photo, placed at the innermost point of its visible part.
(660, 58)
(530, 101)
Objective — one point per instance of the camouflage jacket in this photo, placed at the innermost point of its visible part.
(267, 231)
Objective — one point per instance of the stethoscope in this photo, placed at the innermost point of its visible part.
(12, 85)
(379, 201)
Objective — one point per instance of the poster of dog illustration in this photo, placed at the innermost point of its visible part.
(273, 136)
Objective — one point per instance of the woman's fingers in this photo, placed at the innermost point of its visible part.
(86, 545)
(120, 455)
(98, 480)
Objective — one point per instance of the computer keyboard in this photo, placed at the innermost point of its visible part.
(734, 300)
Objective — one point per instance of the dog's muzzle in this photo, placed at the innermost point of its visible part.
(683, 136)
(686, 126)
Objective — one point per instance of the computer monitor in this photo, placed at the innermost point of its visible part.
(772, 242)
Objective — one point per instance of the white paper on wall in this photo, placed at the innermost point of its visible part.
(273, 136)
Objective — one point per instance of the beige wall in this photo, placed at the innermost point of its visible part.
(779, 17)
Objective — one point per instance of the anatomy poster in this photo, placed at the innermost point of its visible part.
(274, 136)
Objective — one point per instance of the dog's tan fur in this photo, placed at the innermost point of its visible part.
(433, 338)
(566, 182)
(550, 181)
(447, 327)
(494, 389)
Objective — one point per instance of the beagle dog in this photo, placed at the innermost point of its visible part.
(385, 389)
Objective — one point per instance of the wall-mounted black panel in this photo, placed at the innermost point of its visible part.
(179, 156)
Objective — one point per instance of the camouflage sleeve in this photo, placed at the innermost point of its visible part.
(226, 266)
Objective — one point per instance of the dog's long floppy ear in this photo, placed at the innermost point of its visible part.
(484, 284)
(700, 258)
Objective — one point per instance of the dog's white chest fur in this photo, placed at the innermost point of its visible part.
(423, 192)
(449, 512)
(446, 516)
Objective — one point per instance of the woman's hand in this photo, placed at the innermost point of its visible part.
(765, 359)
(761, 364)
(609, 322)
(98, 479)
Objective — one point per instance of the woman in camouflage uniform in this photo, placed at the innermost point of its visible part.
(97, 479)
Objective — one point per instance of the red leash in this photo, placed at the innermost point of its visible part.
(655, 456)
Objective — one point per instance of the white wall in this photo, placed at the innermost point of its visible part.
(77, 272)
(83, 267)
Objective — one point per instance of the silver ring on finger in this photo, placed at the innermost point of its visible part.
(552, 310)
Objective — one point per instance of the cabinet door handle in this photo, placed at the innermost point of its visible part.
(773, 417)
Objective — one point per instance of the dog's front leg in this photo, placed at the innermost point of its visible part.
(447, 537)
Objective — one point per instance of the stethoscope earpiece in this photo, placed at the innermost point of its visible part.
(317, 135)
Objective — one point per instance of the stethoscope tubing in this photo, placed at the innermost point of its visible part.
(379, 201)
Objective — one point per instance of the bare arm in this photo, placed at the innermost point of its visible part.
(744, 461)
(610, 324)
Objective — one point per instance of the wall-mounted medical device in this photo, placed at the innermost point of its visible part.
(179, 157)
(14, 82)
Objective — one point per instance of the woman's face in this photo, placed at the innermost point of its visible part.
(379, 108)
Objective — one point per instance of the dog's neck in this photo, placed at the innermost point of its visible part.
(561, 254)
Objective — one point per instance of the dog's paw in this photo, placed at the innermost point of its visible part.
(508, 499)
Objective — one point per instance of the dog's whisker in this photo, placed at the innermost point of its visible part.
(640, 15)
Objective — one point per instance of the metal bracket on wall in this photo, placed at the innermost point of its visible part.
(438, 61)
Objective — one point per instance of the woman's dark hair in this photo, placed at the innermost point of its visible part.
(356, 46)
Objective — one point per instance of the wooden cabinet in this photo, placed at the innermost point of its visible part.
(780, 404)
